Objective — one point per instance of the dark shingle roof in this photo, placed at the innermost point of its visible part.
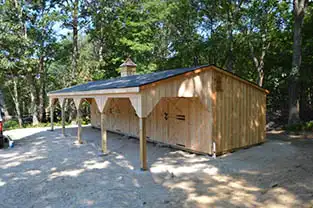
(128, 81)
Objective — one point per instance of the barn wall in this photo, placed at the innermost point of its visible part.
(238, 113)
(175, 121)
(215, 107)
(191, 84)
(181, 121)
(197, 86)
(120, 116)
(94, 114)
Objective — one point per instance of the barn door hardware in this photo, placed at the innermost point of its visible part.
(180, 117)
(165, 115)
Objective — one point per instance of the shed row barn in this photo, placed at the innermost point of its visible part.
(203, 109)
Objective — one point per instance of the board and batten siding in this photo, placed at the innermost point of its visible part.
(185, 99)
(177, 121)
(193, 110)
(120, 116)
(239, 113)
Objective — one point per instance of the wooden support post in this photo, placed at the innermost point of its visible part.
(143, 143)
(103, 133)
(62, 104)
(101, 102)
(77, 102)
(63, 120)
(51, 114)
(79, 129)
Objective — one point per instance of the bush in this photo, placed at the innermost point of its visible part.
(10, 124)
(306, 126)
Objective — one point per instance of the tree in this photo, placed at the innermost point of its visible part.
(299, 7)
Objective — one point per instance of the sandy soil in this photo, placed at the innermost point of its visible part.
(45, 169)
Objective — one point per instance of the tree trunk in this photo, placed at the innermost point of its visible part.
(16, 101)
(33, 108)
(75, 39)
(299, 7)
(261, 76)
(230, 55)
(42, 94)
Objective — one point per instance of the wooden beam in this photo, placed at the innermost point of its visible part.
(101, 102)
(143, 144)
(62, 104)
(136, 102)
(79, 124)
(51, 113)
(97, 92)
(103, 133)
(63, 119)
(77, 102)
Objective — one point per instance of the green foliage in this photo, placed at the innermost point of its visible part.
(10, 124)
(158, 35)
(305, 126)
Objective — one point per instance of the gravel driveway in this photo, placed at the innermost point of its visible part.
(45, 169)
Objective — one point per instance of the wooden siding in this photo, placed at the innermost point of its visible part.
(238, 113)
(120, 116)
(192, 84)
(201, 107)
(181, 121)
(176, 121)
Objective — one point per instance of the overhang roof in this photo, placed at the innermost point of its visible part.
(127, 81)
(134, 80)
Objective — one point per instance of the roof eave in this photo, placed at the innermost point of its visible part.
(96, 92)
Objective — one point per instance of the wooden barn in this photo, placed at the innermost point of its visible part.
(204, 109)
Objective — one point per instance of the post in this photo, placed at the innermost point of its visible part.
(51, 114)
(103, 133)
(62, 104)
(79, 124)
(101, 102)
(63, 120)
(143, 144)
(77, 102)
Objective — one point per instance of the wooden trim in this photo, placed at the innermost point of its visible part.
(77, 102)
(187, 74)
(101, 102)
(61, 101)
(52, 101)
(97, 92)
(137, 104)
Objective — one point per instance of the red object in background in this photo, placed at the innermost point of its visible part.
(1, 125)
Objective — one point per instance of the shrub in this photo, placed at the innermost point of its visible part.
(305, 126)
(10, 124)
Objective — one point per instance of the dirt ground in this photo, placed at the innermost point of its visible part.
(45, 169)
